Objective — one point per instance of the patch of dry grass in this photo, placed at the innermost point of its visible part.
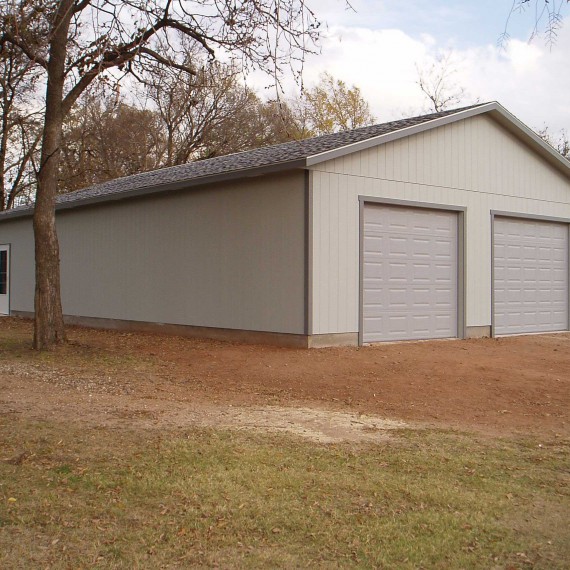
(77, 364)
(73, 497)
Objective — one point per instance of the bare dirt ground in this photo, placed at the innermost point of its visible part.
(493, 386)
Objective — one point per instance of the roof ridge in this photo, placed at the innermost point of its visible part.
(294, 153)
(294, 142)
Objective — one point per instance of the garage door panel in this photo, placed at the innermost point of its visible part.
(374, 271)
(409, 273)
(530, 276)
(441, 297)
(542, 296)
(397, 326)
(397, 248)
(445, 273)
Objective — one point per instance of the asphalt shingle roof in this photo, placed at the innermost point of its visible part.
(243, 161)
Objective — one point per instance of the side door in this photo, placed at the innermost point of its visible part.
(4, 279)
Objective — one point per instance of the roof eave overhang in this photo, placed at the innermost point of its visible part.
(494, 109)
(159, 189)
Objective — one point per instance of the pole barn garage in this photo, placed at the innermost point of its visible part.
(449, 225)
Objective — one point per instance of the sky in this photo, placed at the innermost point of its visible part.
(380, 44)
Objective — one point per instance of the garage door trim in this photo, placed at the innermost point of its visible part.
(520, 216)
(461, 253)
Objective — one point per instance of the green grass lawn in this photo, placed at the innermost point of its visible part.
(102, 498)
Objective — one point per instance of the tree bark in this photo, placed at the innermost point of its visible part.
(49, 329)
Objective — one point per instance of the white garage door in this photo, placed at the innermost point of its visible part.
(530, 276)
(409, 274)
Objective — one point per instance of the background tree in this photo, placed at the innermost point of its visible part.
(439, 84)
(106, 138)
(257, 123)
(19, 128)
(559, 141)
(75, 41)
(331, 106)
(191, 110)
(172, 120)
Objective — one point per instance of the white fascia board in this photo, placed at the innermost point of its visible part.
(496, 110)
(527, 135)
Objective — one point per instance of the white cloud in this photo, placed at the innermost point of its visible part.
(531, 80)
(380, 62)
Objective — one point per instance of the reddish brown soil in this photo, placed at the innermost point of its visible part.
(517, 384)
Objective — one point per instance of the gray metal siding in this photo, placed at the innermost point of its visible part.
(530, 276)
(410, 273)
(229, 256)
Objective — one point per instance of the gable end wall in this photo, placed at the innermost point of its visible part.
(474, 163)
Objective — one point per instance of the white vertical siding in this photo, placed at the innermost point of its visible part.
(474, 163)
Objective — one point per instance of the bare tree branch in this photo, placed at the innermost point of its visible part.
(547, 19)
(8, 37)
(76, 41)
(438, 83)
(167, 62)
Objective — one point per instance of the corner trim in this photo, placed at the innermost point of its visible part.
(492, 275)
(361, 203)
(461, 273)
(308, 252)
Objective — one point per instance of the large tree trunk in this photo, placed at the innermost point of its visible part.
(48, 327)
